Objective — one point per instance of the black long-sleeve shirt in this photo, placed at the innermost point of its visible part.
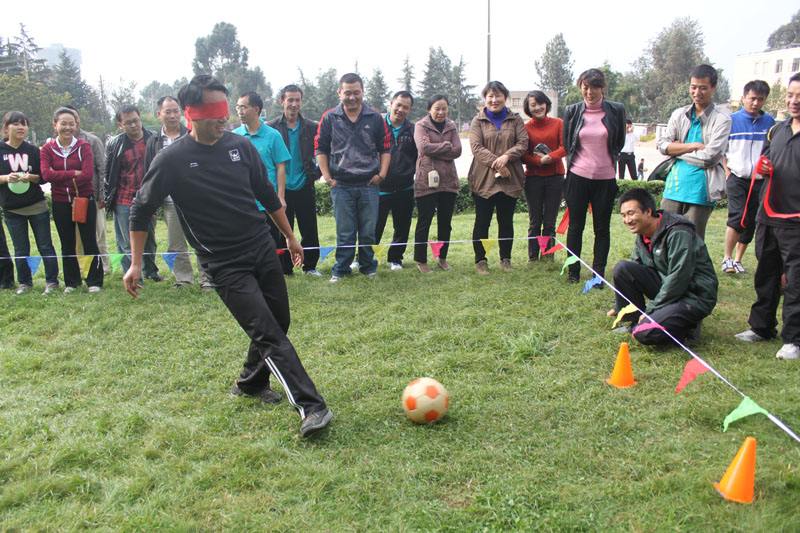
(214, 189)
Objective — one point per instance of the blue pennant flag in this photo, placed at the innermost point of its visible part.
(325, 251)
(33, 263)
(169, 259)
(594, 282)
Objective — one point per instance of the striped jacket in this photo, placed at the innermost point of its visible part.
(746, 141)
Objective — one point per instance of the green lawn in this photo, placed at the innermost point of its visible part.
(115, 413)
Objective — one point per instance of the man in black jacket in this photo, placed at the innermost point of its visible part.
(397, 190)
(214, 178)
(125, 167)
(298, 134)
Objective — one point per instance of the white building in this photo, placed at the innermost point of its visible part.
(773, 66)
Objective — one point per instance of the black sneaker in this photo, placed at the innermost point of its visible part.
(266, 395)
(315, 422)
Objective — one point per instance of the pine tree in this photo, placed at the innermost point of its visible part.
(555, 68)
(407, 79)
(376, 91)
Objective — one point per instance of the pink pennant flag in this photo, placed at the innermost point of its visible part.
(554, 249)
(692, 369)
(436, 248)
(646, 326)
(281, 251)
(543, 240)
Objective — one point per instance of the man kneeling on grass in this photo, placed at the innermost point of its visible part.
(670, 266)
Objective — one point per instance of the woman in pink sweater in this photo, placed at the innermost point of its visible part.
(68, 165)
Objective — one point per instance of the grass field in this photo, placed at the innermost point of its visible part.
(115, 414)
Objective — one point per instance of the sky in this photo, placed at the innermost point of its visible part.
(149, 40)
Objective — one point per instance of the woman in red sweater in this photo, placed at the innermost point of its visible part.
(544, 170)
(68, 165)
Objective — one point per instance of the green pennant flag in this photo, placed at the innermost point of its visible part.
(116, 261)
(570, 260)
(746, 408)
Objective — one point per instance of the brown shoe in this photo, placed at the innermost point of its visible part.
(482, 267)
(424, 268)
(505, 265)
(443, 264)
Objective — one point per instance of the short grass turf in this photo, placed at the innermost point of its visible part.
(115, 413)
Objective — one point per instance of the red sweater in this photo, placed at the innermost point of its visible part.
(59, 171)
(546, 131)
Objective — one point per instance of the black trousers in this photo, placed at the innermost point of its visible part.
(543, 194)
(484, 208)
(626, 160)
(636, 282)
(778, 252)
(252, 287)
(737, 189)
(442, 205)
(302, 204)
(579, 193)
(401, 205)
(62, 216)
(6, 265)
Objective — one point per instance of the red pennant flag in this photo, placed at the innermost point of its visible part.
(543, 241)
(554, 249)
(281, 251)
(692, 369)
(564, 224)
(436, 248)
(590, 208)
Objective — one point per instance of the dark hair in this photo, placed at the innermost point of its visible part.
(628, 121)
(126, 108)
(15, 117)
(351, 77)
(435, 98)
(291, 88)
(402, 94)
(705, 71)
(65, 110)
(192, 93)
(592, 77)
(540, 98)
(160, 101)
(642, 197)
(494, 86)
(760, 87)
(254, 99)
(795, 77)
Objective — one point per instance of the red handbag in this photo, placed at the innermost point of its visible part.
(80, 206)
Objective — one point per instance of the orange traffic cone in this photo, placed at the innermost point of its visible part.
(737, 483)
(622, 376)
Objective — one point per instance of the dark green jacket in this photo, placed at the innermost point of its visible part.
(681, 259)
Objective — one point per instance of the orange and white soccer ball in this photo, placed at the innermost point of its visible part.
(425, 401)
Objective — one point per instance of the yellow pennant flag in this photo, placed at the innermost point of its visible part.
(85, 262)
(628, 309)
(378, 249)
(488, 244)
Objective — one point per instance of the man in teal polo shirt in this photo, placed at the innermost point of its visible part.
(270, 146)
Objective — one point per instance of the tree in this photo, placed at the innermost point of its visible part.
(785, 35)
(407, 78)
(376, 91)
(66, 78)
(35, 99)
(555, 68)
(150, 94)
(19, 56)
(776, 102)
(437, 76)
(124, 94)
(464, 102)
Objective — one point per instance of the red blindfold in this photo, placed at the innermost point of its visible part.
(214, 111)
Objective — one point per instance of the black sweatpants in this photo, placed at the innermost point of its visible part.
(636, 282)
(543, 194)
(626, 160)
(579, 193)
(401, 205)
(6, 265)
(442, 205)
(778, 252)
(302, 204)
(62, 216)
(252, 287)
(484, 208)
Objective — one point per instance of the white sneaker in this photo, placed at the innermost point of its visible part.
(95, 289)
(395, 266)
(22, 289)
(738, 268)
(313, 272)
(727, 266)
(354, 266)
(749, 336)
(788, 351)
(50, 288)
(335, 279)
(372, 275)
(68, 290)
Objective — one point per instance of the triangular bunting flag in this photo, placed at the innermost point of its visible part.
(436, 248)
(378, 249)
(554, 249)
(692, 369)
(169, 259)
(324, 252)
(33, 263)
(564, 224)
(644, 327)
(746, 408)
(628, 309)
(488, 244)
(85, 263)
(594, 282)
(116, 261)
(570, 260)
(544, 242)
(281, 251)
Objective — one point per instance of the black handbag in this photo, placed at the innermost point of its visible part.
(661, 171)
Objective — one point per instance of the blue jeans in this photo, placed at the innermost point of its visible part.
(18, 229)
(355, 208)
(122, 216)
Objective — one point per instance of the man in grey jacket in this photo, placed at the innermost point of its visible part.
(697, 136)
